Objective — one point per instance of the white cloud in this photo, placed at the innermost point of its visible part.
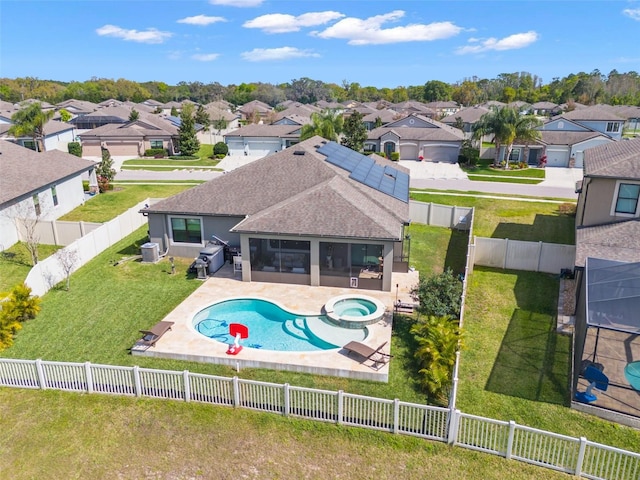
(633, 13)
(205, 57)
(151, 35)
(369, 31)
(512, 42)
(282, 53)
(237, 3)
(282, 23)
(201, 20)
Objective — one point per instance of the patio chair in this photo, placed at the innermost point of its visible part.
(368, 353)
(150, 337)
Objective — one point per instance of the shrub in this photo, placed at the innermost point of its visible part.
(184, 157)
(395, 156)
(85, 185)
(220, 148)
(18, 306)
(568, 209)
(439, 295)
(154, 152)
(75, 148)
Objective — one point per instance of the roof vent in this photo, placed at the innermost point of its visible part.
(298, 152)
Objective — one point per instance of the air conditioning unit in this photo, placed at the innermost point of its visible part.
(150, 252)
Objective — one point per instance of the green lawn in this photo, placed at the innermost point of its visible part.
(106, 206)
(49, 434)
(15, 263)
(515, 220)
(503, 179)
(205, 152)
(484, 167)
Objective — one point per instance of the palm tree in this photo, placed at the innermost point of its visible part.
(328, 124)
(506, 125)
(30, 122)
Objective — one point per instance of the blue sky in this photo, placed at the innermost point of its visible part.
(374, 43)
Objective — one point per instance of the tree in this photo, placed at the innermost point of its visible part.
(29, 122)
(134, 115)
(354, 131)
(328, 124)
(435, 90)
(68, 260)
(439, 338)
(75, 148)
(105, 171)
(506, 125)
(220, 150)
(174, 112)
(65, 116)
(439, 295)
(202, 117)
(189, 143)
(466, 94)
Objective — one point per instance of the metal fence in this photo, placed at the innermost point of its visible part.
(576, 456)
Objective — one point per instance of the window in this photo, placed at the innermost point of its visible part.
(515, 155)
(156, 144)
(186, 230)
(36, 204)
(54, 194)
(627, 202)
(613, 126)
(29, 144)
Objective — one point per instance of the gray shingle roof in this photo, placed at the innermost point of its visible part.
(550, 137)
(23, 171)
(294, 194)
(260, 130)
(615, 241)
(592, 114)
(469, 115)
(619, 159)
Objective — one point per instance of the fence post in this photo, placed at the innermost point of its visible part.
(512, 431)
(580, 461)
(454, 217)
(187, 386)
(430, 214)
(286, 400)
(136, 380)
(41, 379)
(236, 392)
(539, 256)
(506, 253)
(340, 406)
(396, 415)
(454, 425)
(89, 376)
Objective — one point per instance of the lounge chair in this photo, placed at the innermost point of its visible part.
(368, 353)
(150, 337)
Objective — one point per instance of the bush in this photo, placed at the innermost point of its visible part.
(220, 148)
(395, 156)
(184, 157)
(154, 152)
(439, 295)
(75, 148)
(85, 185)
(18, 306)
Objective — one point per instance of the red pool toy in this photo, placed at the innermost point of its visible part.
(238, 331)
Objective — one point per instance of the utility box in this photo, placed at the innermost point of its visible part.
(150, 252)
(201, 269)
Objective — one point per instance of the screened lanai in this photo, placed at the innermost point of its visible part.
(608, 332)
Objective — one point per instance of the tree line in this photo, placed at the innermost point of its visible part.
(587, 88)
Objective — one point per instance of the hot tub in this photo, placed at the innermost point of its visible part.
(354, 311)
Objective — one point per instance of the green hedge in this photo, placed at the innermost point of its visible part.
(155, 152)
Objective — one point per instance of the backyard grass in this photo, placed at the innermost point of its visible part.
(512, 219)
(204, 160)
(106, 206)
(15, 263)
(49, 434)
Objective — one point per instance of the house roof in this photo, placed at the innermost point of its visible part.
(468, 115)
(614, 241)
(552, 137)
(48, 168)
(295, 191)
(260, 130)
(385, 115)
(545, 106)
(619, 159)
(138, 129)
(595, 113)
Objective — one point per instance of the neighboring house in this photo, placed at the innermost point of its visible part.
(607, 256)
(33, 185)
(386, 116)
(417, 136)
(599, 119)
(77, 107)
(296, 109)
(631, 114)
(467, 117)
(103, 116)
(7, 109)
(57, 136)
(315, 214)
(293, 119)
(131, 138)
(412, 107)
(443, 108)
(260, 140)
(544, 109)
(255, 108)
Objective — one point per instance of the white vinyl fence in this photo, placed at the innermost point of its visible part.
(521, 255)
(58, 232)
(576, 456)
(440, 215)
(48, 272)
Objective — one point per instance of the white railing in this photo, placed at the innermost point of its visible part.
(576, 456)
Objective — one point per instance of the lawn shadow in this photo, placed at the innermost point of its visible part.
(533, 361)
(456, 254)
(545, 228)
(404, 347)
(134, 247)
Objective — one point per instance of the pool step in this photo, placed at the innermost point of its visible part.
(329, 333)
(296, 327)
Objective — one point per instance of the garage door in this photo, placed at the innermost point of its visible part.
(408, 152)
(91, 150)
(235, 147)
(557, 157)
(262, 149)
(441, 153)
(123, 149)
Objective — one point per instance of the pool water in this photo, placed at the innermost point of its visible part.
(354, 307)
(270, 326)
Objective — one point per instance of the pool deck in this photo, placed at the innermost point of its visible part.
(182, 342)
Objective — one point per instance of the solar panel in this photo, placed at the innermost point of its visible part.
(363, 169)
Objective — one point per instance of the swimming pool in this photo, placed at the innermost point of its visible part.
(271, 327)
